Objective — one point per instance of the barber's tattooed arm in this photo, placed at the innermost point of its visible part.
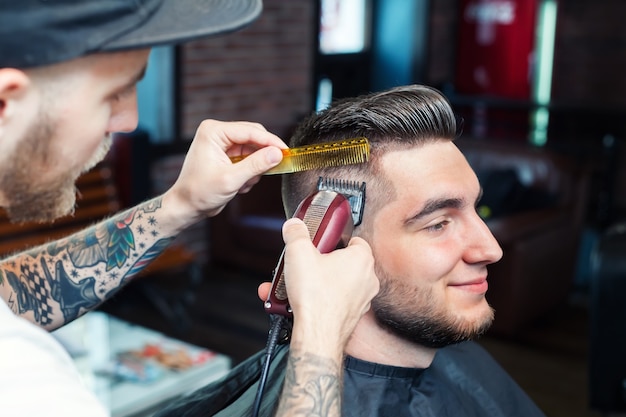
(312, 384)
(323, 320)
(55, 283)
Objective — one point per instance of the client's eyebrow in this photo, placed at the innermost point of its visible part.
(433, 205)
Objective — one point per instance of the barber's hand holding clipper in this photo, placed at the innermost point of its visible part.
(328, 294)
(334, 289)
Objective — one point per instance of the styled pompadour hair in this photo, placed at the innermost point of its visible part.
(401, 117)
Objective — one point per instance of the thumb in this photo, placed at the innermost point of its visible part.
(358, 241)
(259, 161)
(295, 229)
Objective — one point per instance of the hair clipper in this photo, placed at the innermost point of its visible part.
(328, 217)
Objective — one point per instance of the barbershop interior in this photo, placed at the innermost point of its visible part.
(540, 88)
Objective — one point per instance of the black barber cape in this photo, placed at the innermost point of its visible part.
(462, 381)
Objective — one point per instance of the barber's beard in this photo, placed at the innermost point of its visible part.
(416, 315)
(31, 194)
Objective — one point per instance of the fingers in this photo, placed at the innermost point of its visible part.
(208, 179)
(247, 170)
(263, 149)
(264, 290)
(355, 263)
(226, 134)
(294, 229)
(329, 293)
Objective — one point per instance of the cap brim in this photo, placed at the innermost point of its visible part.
(177, 21)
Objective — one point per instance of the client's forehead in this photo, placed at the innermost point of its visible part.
(428, 168)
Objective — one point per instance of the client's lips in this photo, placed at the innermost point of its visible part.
(478, 286)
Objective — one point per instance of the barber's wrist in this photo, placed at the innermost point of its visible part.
(325, 338)
(177, 214)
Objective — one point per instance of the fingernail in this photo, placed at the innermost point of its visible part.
(274, 155)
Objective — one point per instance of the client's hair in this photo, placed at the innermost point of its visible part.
(401, 117)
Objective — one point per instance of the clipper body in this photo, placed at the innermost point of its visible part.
(328, 217)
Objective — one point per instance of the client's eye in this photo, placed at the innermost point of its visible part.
(437, 227)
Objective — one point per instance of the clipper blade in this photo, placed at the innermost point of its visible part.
(352, 190)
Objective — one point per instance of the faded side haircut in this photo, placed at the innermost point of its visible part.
(401, 117)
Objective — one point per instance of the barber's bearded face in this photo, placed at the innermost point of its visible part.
(432, 249)
(33, 193)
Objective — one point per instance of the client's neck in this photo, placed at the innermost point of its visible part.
(372, 343)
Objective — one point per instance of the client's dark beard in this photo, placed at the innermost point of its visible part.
(423, 325)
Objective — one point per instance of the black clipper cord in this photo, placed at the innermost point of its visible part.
(277, 323)
(329, 219)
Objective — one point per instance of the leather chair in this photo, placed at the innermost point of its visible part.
(607, 341)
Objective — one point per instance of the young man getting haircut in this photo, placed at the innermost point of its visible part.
(412, 353)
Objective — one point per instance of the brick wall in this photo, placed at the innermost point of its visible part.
(262, 73)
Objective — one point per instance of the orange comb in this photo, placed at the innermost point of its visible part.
(329, 154)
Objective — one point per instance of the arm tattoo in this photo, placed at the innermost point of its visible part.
(312, 386)
(57, 282)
